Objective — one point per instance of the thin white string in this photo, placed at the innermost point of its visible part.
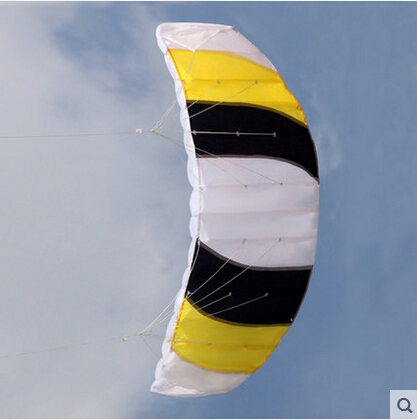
(213, 34)
(230, 293)
(215, 157)
(248, 302)
(218, 270)
(149, 346)
(156, 129)
(58, 348)
(215, 84)
(240, 304)
(151, 326)
(223, 285)
(164, 315)
(189, 67)
(212, 162)
(160, 122)
(224, 100)
(161, 319)
(216, 301)
(45, 136)
(232, 133)
(237, 275)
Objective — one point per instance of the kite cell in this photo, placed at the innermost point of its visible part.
(254, 210)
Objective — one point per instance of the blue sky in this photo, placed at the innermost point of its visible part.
(95, 229)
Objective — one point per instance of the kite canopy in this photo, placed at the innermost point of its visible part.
(253, 168)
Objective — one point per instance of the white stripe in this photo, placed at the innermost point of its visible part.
(193, 36)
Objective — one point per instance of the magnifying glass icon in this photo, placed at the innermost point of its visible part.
(404, 407)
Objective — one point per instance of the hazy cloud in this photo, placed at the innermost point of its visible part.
(84, 221)
(323, 131)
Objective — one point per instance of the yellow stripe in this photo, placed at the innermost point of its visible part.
(218, 76)
(223, 347)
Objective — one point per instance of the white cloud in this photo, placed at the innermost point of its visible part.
(327, 144)
(325, 135)
(92, 228)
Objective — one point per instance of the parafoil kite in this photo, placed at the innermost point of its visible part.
(253, 168)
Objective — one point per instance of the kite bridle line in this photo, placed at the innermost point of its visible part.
(157, 129)
(164, 316)
(51, 136)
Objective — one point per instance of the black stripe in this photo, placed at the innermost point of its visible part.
(293, 141)
(284, 288)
